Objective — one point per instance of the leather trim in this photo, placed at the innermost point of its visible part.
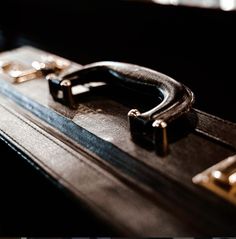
(217, 128)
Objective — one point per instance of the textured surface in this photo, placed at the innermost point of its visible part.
(99, 189)
(101, 121)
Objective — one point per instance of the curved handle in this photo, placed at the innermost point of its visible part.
(176, 99)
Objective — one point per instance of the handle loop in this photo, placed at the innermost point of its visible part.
(176, 98)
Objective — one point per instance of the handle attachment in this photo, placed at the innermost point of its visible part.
(176, 98)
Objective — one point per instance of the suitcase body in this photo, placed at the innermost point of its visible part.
(89, 152)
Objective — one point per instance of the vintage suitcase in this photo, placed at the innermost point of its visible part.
(170, 171)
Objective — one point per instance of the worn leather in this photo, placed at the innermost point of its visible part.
(176, 99)
(99, 189)
(132, 180)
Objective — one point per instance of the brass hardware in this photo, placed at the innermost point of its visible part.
(220, 179)
(161, 139)
(20, 73)
(133, 113)
(17, 72)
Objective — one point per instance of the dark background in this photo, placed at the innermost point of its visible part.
(195, 46)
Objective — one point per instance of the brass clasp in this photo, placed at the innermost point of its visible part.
(220, 179)
(20, 73)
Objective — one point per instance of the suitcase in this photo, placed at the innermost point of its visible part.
(168, 171)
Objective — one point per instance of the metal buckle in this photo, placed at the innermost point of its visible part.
(220, 179)
(19, 73)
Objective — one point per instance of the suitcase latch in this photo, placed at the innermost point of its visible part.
(220, 179)
(19, 72)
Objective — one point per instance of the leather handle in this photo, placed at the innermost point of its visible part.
(176, 98)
